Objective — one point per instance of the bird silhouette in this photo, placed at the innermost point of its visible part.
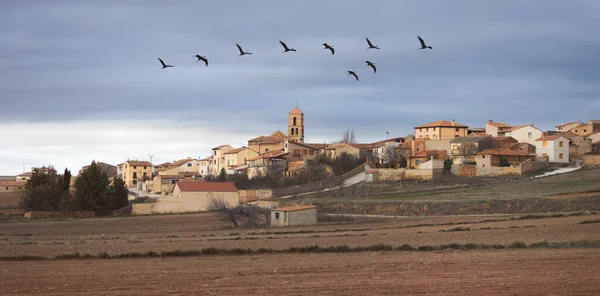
(370, 64)
(242, 52)
(371, 44)
(327, 46)
(202, 58)
(163, 64)
(285, 47)
(423, 46)
(353, 74)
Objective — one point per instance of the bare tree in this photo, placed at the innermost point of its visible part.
(349, 136)
(249, 214)
(391, 156)
(467, 149)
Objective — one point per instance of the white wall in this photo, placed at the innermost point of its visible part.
(553, 150)
(526, 134)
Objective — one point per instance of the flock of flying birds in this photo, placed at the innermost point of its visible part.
(289, 49)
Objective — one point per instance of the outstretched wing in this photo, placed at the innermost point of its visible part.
(422, 41)
(332, 50)
(369, 42)
(283, 44)
(239, 48)
(205, 61)
(374, 68)
(355, 76)
(161, 62)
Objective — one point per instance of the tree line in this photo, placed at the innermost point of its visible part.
(93, 190)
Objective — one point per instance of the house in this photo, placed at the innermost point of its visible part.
(578, 145)
(133, 172)
(389, 145)
(109, 169)
(565, 127)
(420, 157)
(492, 157)
(238, 157)
(301, 150)
(524, 147)
(596, 147)
(357, 150)
(475, 130)
(178, 166)
(163, 184)
(270, 162)
(24, 176)
(496, 129)
(10, 186)
(204, 166)
(218, 159)
(464, 149)
(524, 133)
(555, 148)
(505, 142)
(441, 130)
(411, 147)
(584, 130)
(294, 215)
(197, 196)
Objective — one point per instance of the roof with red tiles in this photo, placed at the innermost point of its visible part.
(498, 124)
(235, 151)
(296, 110)
(441, 123)
(549, 138)
(171, 176)
(222, 147)
(428, 152)
(503, 152)
(294, 208)
(207, 186)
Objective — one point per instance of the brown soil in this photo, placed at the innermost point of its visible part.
(490, 272)
(574, 195)
(193, 232)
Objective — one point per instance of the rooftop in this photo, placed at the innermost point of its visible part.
(549, 138)
(296, 111)
(442, 123)
(294, 208)
(469, 139)
(498, 124)
(503, 152)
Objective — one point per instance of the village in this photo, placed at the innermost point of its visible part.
(435, 149)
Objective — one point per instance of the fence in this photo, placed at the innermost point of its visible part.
(317, 186)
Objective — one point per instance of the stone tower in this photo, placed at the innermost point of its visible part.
(296, 125)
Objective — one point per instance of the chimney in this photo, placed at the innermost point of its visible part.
(453, 122)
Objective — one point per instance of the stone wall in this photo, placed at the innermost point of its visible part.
(317, 186)
(466, 170)
(58, 214)
(591, 160)
(254, 195)
(142, 208)
(532, 166)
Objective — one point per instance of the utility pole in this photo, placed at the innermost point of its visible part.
(151, 165)
(387, 134)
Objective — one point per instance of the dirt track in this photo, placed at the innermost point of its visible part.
(494, 272)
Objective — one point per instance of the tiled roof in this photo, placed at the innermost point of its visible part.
(267, 140)
(12, 183)
(470, 139)
(206, 158)
(396, 139)
(183, 161)
(171, 176)
(279, 134)
(207, 186)
(441, 123)
(138, 162)
(498, 124)
(28, 174)
(190, 174)
(234, 151)
(271, 154)
(477, 135)
(294, 208)
(296, 111)
(568, 123)
(408, 144)
(500, 139)
(427, 152)
(222, 146)
(309, 146)
(514, 128)
(317, 146)
(549, 138)
(503, 152)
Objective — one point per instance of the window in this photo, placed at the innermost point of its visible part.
(296, 131)
(530, 135)
(483, 156)
(6, 187)
(434, 129)
(292, 131)
(294, 121)
(427, 129)
(417, 162)
(134, 182)
(145, 174)
(215, 153)
(560, 156)
(584, 130)
(189, 165)
(144, 167)
(544, 144)
(276, 215)
(135, 167)
(266, 150)
(456, 129)
(454, 147)
(418, 149)
(560, 144)
(135, 175)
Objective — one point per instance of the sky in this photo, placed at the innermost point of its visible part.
(81, 81)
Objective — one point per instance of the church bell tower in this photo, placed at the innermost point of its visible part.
(296, 125)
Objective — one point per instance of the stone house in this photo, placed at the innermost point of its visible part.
(578, 145)
(294, 215)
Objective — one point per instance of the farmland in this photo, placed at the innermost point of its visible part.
(527, 251)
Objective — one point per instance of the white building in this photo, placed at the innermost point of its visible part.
(555, 147)
(525, 134)
(204, 166)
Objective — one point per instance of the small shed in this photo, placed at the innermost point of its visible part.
(294, 215)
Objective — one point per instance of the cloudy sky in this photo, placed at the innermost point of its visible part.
(80, 80)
